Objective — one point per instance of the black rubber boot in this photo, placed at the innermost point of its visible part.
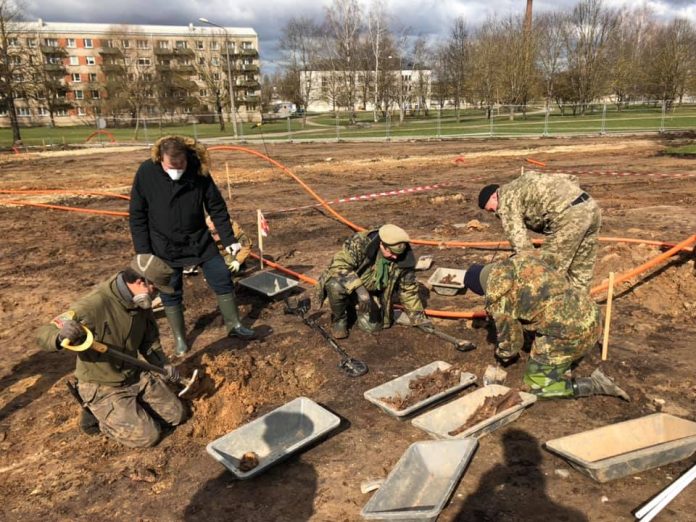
(338, 301)
(175, 316)
(230, 313)
(339, 329)
(89, 425)
(597, 384)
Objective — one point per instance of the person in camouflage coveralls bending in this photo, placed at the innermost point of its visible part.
(370, 267)
(554, 205)
(526, 296)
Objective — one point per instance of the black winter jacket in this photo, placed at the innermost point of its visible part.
(167, 217)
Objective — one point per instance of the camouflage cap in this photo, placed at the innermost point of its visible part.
(394, 237)
(154, 270)
(476, 278)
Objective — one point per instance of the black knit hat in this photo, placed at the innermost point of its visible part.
(476, 278)
(486, 193)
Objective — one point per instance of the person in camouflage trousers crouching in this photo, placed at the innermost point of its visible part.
(553, 205)
(370, 267)
(121, 397)
(526, 296)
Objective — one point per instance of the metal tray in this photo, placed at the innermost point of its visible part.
(400, 386)
(440, 421)
(273, 436)
(628, 447)
(269, 283)
(447, 288)
(420, 484)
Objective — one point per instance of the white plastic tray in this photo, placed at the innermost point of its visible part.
(440, 421)
(268, 283)
(420, 484)
(447, 288)
(399, 386)
(273, 436)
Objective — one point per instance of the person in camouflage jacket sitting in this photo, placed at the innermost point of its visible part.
(368, 270)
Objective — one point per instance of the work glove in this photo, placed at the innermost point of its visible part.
(172, 373)
(364, 300)
(233, 249)
(71, 330)
(233, 266)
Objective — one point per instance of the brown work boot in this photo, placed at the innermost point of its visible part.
(339, 329)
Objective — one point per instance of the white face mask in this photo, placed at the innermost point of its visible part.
(175, 174)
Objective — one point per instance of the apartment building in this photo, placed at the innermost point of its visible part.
(74, 73)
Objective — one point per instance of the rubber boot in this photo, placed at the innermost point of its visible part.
(230, 313)
(597, 384)
(89, 425)
(175, 317)
(339, 328)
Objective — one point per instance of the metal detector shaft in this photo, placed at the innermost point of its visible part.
(459, 344)
(326, 335)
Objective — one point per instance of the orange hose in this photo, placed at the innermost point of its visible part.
(646, 266)
(68, 209)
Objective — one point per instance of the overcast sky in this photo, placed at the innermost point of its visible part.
(429, 18)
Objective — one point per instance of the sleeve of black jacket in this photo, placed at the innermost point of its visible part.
(217, 210)
(137, 217)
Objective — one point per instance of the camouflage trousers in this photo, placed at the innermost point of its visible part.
(341, 302)
(548, 380)
(125, 413)
(573, 242)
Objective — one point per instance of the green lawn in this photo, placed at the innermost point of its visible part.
(685, 150)
(472, 122)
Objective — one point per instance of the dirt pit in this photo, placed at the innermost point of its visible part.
(51, 471)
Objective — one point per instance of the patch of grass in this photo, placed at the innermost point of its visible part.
(684, 150)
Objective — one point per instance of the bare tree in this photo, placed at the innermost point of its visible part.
(457, 62)
(587, 35)
(344, 22)
(421, 58)
(549, 57)
(377, 33)
(208, 66)
(13, 79)
(48, 73)
(301, 41)
(484, 58)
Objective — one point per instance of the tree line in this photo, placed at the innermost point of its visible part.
(570, 58)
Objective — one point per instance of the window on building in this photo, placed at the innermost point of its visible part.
(42, 111)
(201, 61)
(142, 44)
(163, 44)
(203, 93)
(74, 60)
(91, 60)
(79, 95)
(60, 112)
(184, 61)
(81, 111)
(165, 62)
(181, 44)
(216, 76)
(215, 61)
(31, 43)
(88, 43)
(71, 43)
(50, 42)
(15, 60)
(95, 94)
(125, 44)
(214, 45)
(23, 111)
(247, 45)
(75, 77)
(54, 59)
(147, 77)
(92, 77)
(12, 42)
(199, 45)
(143, 61)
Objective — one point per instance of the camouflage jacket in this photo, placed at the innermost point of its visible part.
(117, 323)
(524, 294)
(534, 201)
(357, 258)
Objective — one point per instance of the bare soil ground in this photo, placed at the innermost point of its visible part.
(50, 471)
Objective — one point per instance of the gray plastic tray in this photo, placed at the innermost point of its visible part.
(440, 421)
(269, 283)
(628, 447)
(273, 436)
(399, 386)
(420, 484)
(447, 288)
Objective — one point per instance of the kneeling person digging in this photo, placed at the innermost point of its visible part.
(525, 296)
(367, 271)
(121, 397)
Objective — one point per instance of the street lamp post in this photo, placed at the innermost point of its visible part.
(229, 73)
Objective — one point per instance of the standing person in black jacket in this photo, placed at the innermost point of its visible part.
(171, 193)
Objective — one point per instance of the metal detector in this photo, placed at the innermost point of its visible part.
(349, 365)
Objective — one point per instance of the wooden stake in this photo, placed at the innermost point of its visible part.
(260, 236)
(607, 317)
(229, 189)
